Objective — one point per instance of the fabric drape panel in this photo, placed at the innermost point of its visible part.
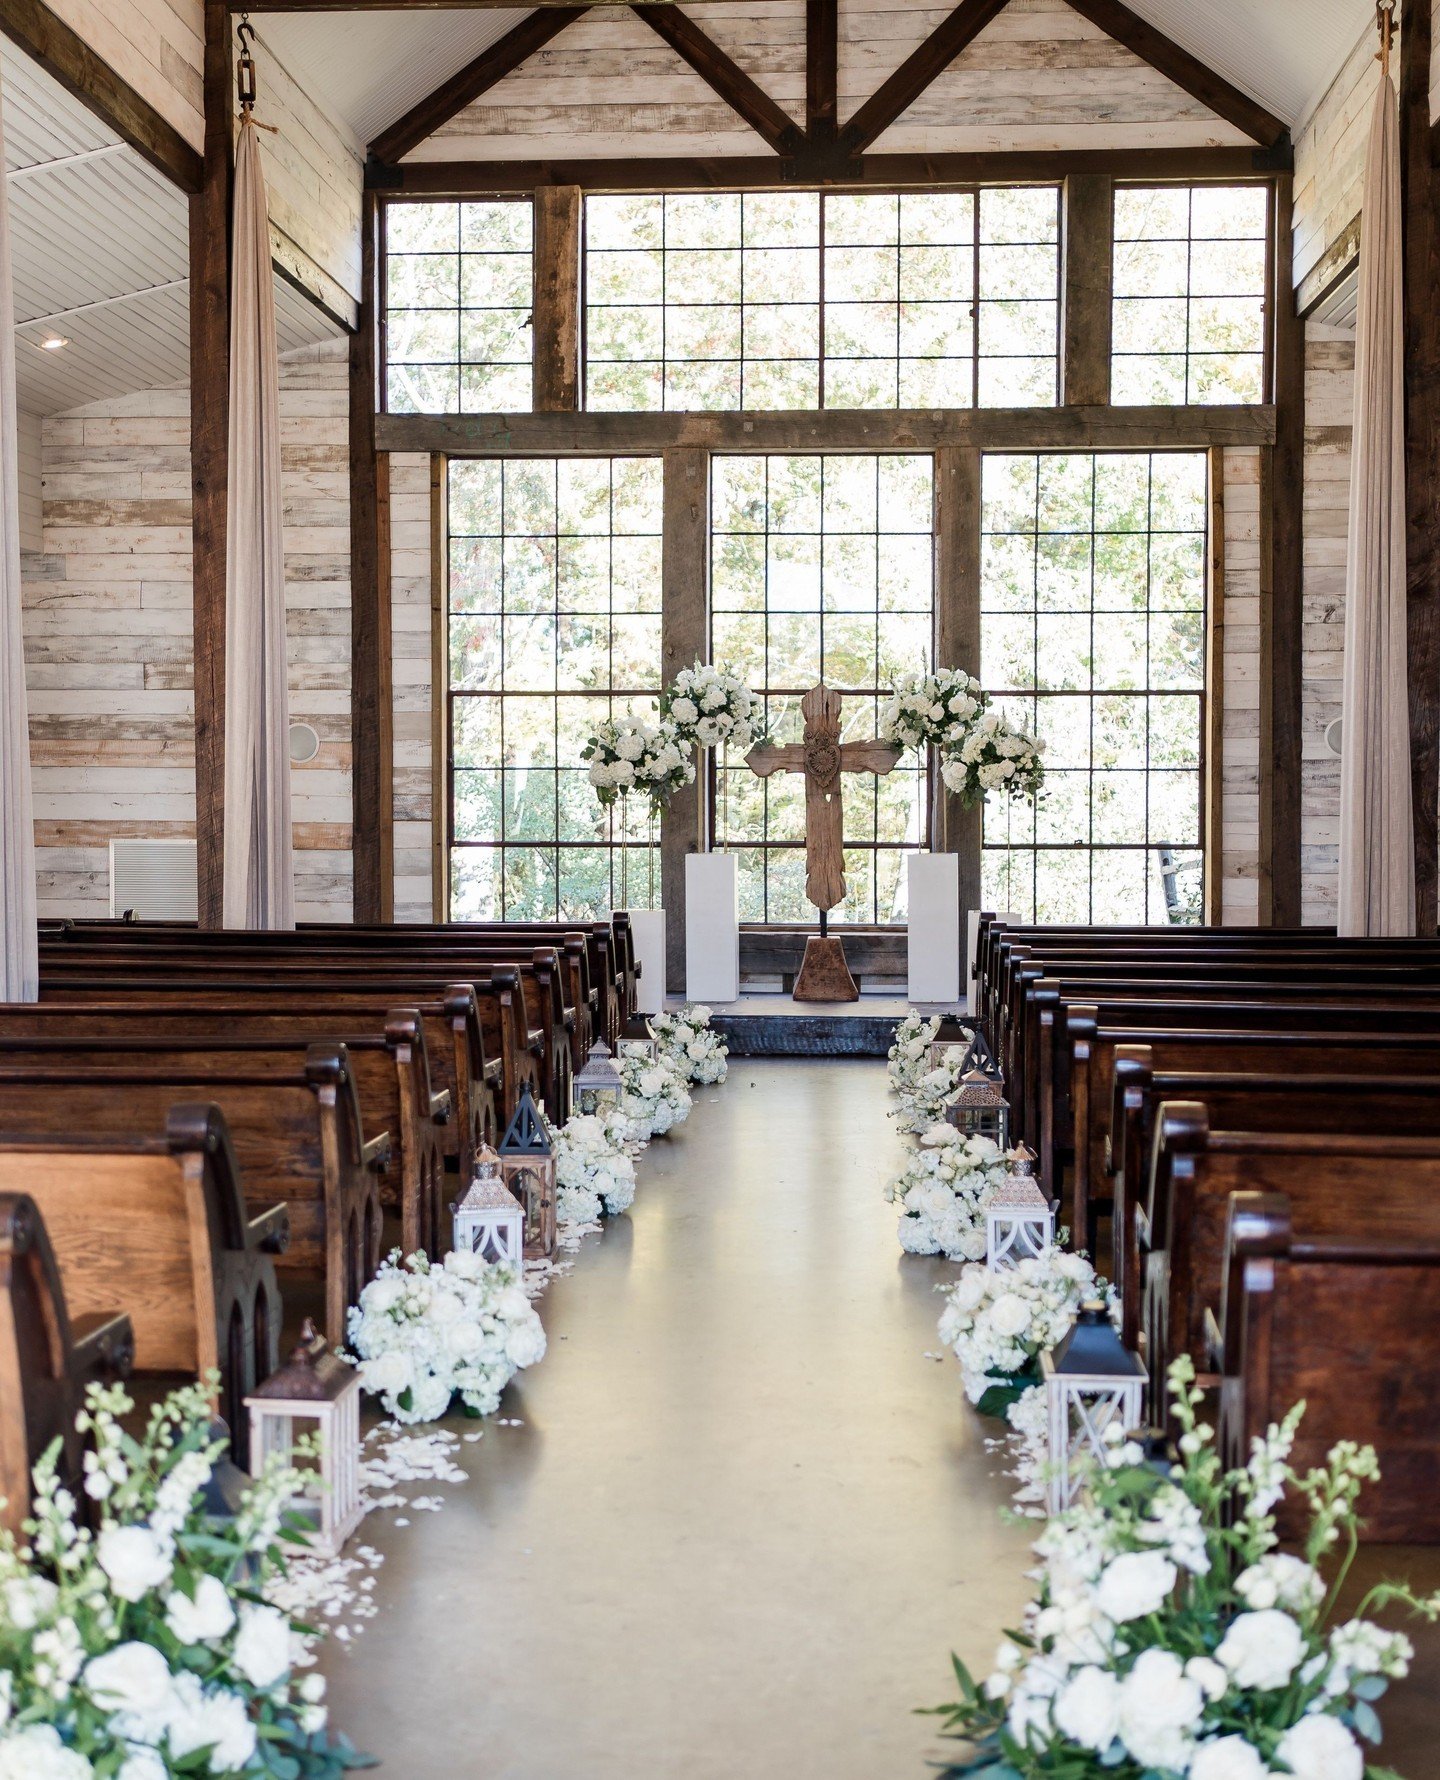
(19, 954)
(1377, 841)
(259, 875)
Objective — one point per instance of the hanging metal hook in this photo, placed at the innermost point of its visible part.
(1385, 25)
(245, 67)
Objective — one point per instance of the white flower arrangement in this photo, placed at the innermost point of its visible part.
(425, 1334)
(710, 708)
(909, 1053)
(594, 1176)
(656, 1098)
(943, 1190)
(686, 1040)
(1170, 1636)
(995, 757)
(932, 710)
(628, 754)
(142, 1647)
(997, 1323)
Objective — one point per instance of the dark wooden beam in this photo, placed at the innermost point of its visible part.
(822, 71)
(1421, 193)
(1087, 288)
(304, 7)
(1214, 740)
(1287, 548)
(475, 78)
(834, 429)
(555, 309)
(439, 682)
(1188, 72)
(463, 179)
(209, 457)
(771, 122)
(957, 641)
(371, 677)
(684, 638)
(64, 55)
(917, 71)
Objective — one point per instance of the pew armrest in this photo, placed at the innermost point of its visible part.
(1214, 1343)
(1142, 1227)
(376, 1154)
(569, 1019)
(102, 1345)
(537, 1042)
(440, 1107)
(270, 1230)
(495, 1071)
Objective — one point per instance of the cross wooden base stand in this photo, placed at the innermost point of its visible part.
(824, 974)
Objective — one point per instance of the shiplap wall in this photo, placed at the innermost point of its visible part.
(1330, 158)
(1038, 77)
(158, 46)
(107, 617)
(28, 460)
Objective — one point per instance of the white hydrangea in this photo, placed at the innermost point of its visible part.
(943, 1190)
(686, 1040)
(1037, 1302)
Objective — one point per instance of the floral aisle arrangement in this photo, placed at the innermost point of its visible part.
(707, 707)
(628, 754)
(909, 1052)
(687, 1040)
(942, 1192)
(144, 1648)
(1170, 1636)
(934, 710)
(656, 1097)
(594, 1176)
(922, 1090)
(996, 756)
(998, 1323)
(426, 1333)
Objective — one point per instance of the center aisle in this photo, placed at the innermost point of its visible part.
(744, 1520)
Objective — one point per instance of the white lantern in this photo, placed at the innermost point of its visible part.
(490, 1220)
(600, 1083)
(314, 1391)
(1019, 1219)
(1092, 1381)
(978, 1108)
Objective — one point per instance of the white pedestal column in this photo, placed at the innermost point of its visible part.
(647, 930)
(712, 928)
(934, 939)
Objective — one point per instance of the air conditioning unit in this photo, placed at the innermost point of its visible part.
(156, 880)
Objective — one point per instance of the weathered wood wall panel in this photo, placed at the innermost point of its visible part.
(1329, 171)
(32, 523)
(108, 647)
(1038, 77)
(155, 45)
(410, 590)
(1240, 751)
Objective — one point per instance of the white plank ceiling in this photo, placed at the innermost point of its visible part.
(101, 246)
(369, 68)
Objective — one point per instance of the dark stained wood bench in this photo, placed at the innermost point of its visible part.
(162, 1226)
(297, 1137)
(1350, 1325)
(46, 1359)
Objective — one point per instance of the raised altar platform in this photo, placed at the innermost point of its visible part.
(775, 1026)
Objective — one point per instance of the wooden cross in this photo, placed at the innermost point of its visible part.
(822, 757)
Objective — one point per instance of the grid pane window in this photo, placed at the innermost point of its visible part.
(457, 312)
(1191, 267)
(729, 300)
(821, 567)
(554, 623)
(1093, 634)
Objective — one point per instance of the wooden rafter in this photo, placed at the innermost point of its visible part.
(1187, 72)
(917, 71)
(771, 122)
(475, 78)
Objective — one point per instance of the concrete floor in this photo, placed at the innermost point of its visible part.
(745, 1520)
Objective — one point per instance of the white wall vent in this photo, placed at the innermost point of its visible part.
(157, 879)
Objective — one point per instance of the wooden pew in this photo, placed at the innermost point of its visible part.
(162, 1225)
(1350, 1325)
(297, 1137)
(1339, 1183)
(1328, 1096)
(46, 1359)
(391, 1070)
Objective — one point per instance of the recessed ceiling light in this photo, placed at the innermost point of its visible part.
(53, 343)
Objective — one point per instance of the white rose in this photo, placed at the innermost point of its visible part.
(1087, 1709)
(36, 1753)
(1010, 1315)
(382, 1295)
(1134, 1584)
(261, 1651)
(684, 710)
(1228, 1758)
(29, 1599)
(465, 1264)
(1262, 1650)
(525, 1342)
(463, 1341)
(133, 1559)
(219, 1721)
(388, 1375)
(1320, 1748)
(143, 1764)
(132, 1679)
(1159, 1706)
(1213, 1677)
(207, 1617)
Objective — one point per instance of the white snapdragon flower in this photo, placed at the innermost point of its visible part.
(28, 1600)
(1280, 1580)
(1262, 1650)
